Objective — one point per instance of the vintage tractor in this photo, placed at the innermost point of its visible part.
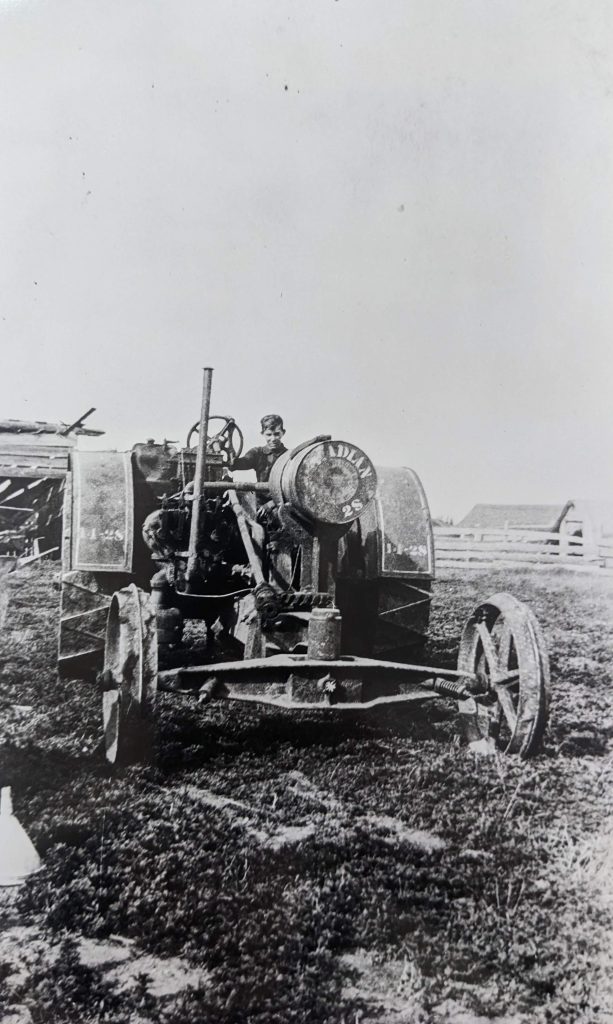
(314, 588)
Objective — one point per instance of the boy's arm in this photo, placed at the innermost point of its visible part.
(246, 461)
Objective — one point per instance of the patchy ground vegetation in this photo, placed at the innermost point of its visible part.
(279, 868)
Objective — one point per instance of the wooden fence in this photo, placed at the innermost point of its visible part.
(517, 547)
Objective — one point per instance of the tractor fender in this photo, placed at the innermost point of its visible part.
(386, 569)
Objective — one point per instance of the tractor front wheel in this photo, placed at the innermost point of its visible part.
(129, 678)
(503, 647)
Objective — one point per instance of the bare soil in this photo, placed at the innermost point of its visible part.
(302, 868)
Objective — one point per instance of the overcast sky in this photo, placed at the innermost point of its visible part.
(390, 220)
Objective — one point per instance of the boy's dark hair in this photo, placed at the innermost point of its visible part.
(271, 422)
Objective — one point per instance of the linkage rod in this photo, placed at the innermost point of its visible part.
(219, 486)
(254, 562)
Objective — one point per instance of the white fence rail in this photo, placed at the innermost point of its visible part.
(458, 547)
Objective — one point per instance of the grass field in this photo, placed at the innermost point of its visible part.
(281, 868)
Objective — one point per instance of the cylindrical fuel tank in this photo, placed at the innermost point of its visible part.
(329, 482)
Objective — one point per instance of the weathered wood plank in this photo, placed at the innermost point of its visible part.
(460, 567)
(514, 533)
(509, 556)
(42, 472)
(450, 544)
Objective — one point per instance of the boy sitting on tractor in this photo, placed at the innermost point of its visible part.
(263, 458)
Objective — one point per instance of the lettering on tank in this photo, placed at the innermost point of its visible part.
(355, 457)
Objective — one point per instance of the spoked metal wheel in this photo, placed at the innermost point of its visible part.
(502, 645)
(129, 677)
(228, 439)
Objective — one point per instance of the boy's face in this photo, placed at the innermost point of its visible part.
(273, 436)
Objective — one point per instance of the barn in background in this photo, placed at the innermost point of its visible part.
(576, 534)
(504, 517)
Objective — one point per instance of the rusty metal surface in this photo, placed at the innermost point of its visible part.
(329, 482)
(279, 665)
(255, 562)
(403, 612)
(102, 512)
(285, 700)
(393, 538)
(300, 682)
(198, 505)
(245, 486)
(405, 543)
(129, 677)
(503, 646)
(227, 440)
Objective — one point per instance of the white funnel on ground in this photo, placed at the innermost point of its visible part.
(18, 858)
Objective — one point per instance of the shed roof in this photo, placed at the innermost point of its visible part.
(537, 517)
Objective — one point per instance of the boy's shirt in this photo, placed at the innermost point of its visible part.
(261, 459)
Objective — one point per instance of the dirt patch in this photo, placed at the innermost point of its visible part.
(127, 968)
(334, 818)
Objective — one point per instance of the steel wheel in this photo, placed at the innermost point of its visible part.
(503, 646)
(129, 677)
(228, 439)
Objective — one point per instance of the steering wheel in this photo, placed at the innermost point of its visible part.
(227, 441)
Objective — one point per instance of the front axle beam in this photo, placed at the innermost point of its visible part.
(228, 678)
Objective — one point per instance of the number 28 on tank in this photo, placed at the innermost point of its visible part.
(355, 506)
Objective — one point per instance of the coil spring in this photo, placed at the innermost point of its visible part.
(304, 600)
(451, 688)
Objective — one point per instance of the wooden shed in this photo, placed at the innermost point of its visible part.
(34, 461)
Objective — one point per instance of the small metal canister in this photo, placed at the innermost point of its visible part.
(324, 635)
(169, 625)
